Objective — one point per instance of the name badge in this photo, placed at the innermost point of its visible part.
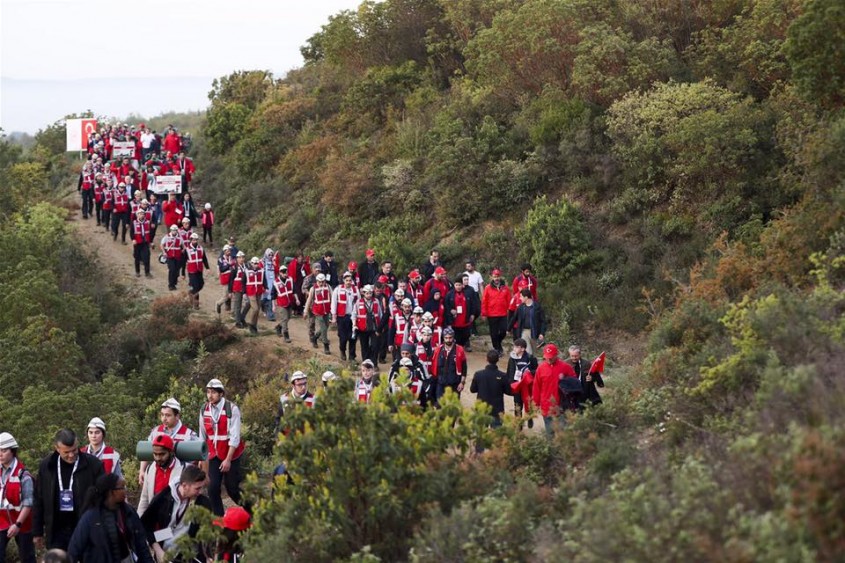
(163, 535)
(66, 501)
(517, 377)
(460, 309)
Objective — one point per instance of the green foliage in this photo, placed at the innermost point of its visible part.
(352, 487)
(246, 88)
(815, 49)
(554, 239)
(224, 126)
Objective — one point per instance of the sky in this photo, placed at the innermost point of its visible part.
(118, 57)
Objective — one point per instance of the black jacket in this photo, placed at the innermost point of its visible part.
(591, 393)
(330, 270)
(527, 361)
(368, 273)
(538, 326)
(473, 305)
(158, 514)
(47, 491)
(90, 542)
(491, 385)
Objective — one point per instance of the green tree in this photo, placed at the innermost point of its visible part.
(815, 48)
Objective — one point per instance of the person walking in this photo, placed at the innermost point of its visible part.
(195, 263)
(490, 386)
(163, 472)
(494, 307)
(110, 530)
(237, 289)
(141, 238)
(319, 305)
(449, 365)
(286, 300)
(17, 496)
(171, 245)
(220, 427)
(254, 290)
(368, 318)
(546, 391)
(344, 298)
(97, 447)
(64, 477)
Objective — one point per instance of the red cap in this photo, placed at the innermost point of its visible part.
(497, 272)
(383, 279)
(370, 252)
(352, 266)
(440, 270)
(235, 518)
(415, 274)
(550, 351)
(164, 441)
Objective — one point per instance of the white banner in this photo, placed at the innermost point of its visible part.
(77, 131)
(165, 184)
(123, 148)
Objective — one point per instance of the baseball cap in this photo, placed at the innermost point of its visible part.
(164, 441)
(550, 351)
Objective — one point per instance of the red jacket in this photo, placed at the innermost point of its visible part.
(495, 301)
(530, 281)
(173, 213)
(187, 164)
(440, 284)
(172, 143)
(546, 390)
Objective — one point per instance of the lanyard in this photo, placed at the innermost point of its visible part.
(98, 455)
(59, 473)
(215, 419)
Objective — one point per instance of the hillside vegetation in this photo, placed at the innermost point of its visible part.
(669, 167)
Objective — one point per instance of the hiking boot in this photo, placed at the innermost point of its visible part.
(326, 350)
(530, 423)
(253, 329)
(218, 308)
(343, 356)
(279, 330)
(314, 343)
(287, 338)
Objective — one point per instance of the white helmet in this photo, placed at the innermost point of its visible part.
(297, 375)
(329, 376)
(97, 422)
(7, 441)
(172, 403)
(207, 206)
(321, 277)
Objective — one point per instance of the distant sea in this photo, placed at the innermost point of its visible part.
(30, 105)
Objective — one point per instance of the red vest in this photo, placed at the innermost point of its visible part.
(363, 392)
(422, 355)
(108, 198)
(172, 246)
(98, 191)
(217, 435)
(185, 235)
(239, 283)
(322, 303)
(182, 434)
(107, 455)
(195, 256)
(399, 324)
(254, 282)
(284, 292)
(417, 291)
(141, 230)
(342, 304)
(361, 314)
(87, 181)
(12, 495)
(121, 202)
(226, 276)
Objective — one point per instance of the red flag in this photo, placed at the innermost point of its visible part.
(598, 364)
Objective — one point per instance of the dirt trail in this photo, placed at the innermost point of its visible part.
(120, 257)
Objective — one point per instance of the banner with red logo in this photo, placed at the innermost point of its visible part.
(77, 131)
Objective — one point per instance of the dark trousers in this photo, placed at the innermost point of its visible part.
(120, 219)
(172, 272)
(498, 330)
(87, 202)
(142, 255)
(60, 538)
(441, 389)
(26, 548)
(382, 346)
(106, 218)
(369, 346)
(207, 235)
(462, 335)
(344, 334)
(98, 212)
(232, 480)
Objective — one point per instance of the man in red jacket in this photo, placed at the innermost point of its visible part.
(547, 386)
(494, 307)
(172, 142)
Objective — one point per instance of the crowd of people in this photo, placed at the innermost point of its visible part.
(75, 505)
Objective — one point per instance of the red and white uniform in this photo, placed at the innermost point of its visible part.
(107, 455)
(217, 433)
(284, 292)
(11, 499)
(121, 201)
(172, 246)
(343, 300)
(194, 264)
(179, 433)
(141, 231)
(400, 325)
(361, 314)
(239, 280)
(254, 282)
(364, 391)
(321, 303)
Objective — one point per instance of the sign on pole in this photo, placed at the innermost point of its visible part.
(166, 185)
(123, 148)
(77, 131)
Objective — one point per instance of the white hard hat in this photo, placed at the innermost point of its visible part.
(172, 403)
(367, 288)
(418, 310)
(226, 247)
(428, 316)
(399, 292)
(97, 422)
(215, 384)
(7, 441)
(194, 236)
(321, 277)
(174, 228)
(254, 260)
(297, 375)
(426, 330)
(407, 302)
(328, 376)
(208, 206)
(240, 254)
